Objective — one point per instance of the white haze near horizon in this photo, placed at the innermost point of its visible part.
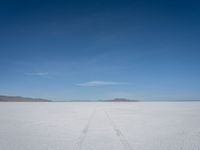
(100, 126)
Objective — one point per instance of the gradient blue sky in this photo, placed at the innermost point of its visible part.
(100, 49)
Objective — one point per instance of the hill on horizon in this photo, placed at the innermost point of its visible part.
(4, 98)
(21, 99)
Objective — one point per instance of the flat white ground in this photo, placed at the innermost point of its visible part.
(100, 126)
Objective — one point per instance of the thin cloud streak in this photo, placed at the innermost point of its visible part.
(99, 83)
(37, 74)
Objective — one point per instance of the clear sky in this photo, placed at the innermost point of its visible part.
(100, 49)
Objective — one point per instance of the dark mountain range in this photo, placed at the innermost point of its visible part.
(21, 99)
(109, 100)
(26, 99)
(121, 100)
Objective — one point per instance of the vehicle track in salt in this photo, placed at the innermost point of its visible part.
(84, 132)
(118, 132)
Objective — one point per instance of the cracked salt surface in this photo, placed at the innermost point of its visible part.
(100, 126)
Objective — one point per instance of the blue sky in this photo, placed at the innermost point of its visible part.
(100, 49)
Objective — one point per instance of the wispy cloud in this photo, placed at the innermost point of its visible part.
(99, 83)
(37, 73)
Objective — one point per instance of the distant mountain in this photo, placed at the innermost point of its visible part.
(21, 99)
(111, 100)
(121, 100)
(26, 99)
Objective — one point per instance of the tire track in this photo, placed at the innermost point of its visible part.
(120, 135)
(84, 132)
